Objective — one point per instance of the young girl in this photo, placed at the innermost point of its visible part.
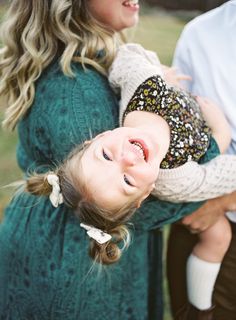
(157, 150)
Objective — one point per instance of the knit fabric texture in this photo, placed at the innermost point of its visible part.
(131, 67)
(45, 270)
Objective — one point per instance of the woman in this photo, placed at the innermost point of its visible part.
(45, 271)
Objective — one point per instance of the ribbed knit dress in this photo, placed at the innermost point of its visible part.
(45, 270)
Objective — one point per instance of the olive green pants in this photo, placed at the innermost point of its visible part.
(180, 245)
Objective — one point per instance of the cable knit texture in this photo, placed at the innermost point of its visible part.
(132, 66)
(194, 182)
(45, 271)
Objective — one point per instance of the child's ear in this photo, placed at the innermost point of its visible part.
(138, 204)
(145, 196)
(86, 142)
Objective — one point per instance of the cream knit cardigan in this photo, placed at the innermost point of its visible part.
(191, 181)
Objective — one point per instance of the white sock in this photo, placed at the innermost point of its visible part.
(201, 277)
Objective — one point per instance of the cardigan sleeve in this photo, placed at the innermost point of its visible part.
(131, 67)
(197, 182)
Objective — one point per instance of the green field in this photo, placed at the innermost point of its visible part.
(158, 30)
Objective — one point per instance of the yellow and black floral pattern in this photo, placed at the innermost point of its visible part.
(189, 132)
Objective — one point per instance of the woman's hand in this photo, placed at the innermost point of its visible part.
(210, 212)
(173, 78)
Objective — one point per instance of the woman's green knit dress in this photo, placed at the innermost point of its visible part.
(45, 270)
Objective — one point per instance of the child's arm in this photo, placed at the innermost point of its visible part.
(130, 68)
(216, 120)
(197, 182)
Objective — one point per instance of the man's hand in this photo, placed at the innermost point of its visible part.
(172, 77)
(209, 213)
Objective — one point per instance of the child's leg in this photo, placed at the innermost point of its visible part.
(203, 265)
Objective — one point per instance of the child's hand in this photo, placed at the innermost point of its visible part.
(216, 120)
(173, 78)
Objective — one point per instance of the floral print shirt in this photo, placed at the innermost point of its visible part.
(189, 133)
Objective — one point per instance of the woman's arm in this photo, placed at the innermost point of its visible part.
(197, 182)
(130, 68)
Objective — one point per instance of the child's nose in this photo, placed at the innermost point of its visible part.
(129, 158)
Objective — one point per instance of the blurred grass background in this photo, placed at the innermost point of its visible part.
(158, 30)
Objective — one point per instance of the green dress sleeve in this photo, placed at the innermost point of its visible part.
(66, 112)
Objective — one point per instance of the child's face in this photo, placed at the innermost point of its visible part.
(120, 166)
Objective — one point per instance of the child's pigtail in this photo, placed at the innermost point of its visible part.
(38, 185)
(46, 185)
(110, 251)
(106, 228)
(109, 236)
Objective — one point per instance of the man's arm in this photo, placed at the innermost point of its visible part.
(208, 214)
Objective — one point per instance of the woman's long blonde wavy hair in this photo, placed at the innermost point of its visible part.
(37, 31)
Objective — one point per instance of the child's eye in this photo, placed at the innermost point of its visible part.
(126, 180)
(105, 156)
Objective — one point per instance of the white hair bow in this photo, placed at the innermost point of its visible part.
(55, 197)
(96, 234)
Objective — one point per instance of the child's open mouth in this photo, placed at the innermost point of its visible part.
(141, 147)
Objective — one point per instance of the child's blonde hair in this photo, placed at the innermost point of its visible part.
(77, 197)
(34, 34)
